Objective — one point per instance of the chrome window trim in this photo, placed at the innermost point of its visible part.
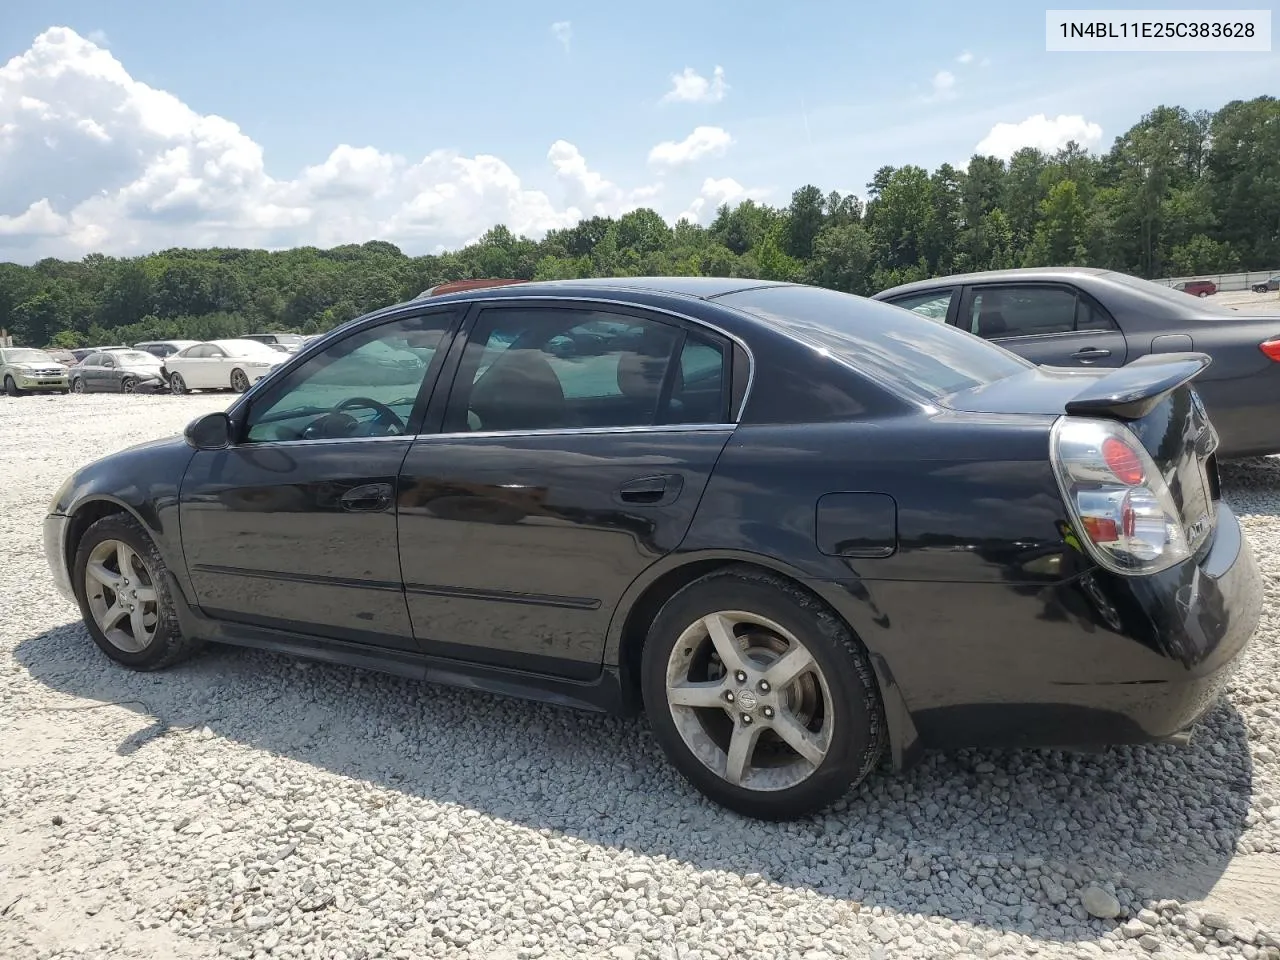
(490, 434)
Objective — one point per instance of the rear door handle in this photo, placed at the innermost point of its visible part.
(367, 498)
(652, 491)
(1090, 353)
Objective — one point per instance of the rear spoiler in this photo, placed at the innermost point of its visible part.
(1134, 390)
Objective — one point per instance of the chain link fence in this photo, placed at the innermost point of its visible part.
(1227, 282)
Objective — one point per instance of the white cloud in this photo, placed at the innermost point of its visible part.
(562, 30)
(690, 86)
(965, 58)
(703, 142)
(589, 190)
(714, 194)
(1005, 139)
(99, 37)
(944, 86)
(95, 160)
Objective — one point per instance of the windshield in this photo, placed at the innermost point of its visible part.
(901, 349)
(21, 355)
(135, 356)
(1186, 303)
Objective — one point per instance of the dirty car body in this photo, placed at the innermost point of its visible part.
(1024, 556)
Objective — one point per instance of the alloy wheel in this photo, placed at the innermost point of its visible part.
(749, 700)
(121, 595)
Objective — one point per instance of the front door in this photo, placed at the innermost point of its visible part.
(572, 455)
(1052, 324)
(294, 526)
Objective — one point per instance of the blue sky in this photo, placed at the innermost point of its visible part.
(813, 92)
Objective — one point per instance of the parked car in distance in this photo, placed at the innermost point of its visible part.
(221, 365)
(1197, 288)
(64, 357)
(1267, 285)
(164, 348)
(28, 370)
(81, 352)
(795, 527)
(284, 342)
(1084, 317)
(117, 371)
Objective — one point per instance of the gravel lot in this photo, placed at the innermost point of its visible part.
(248, 805)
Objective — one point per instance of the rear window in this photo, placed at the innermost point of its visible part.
(902, 350)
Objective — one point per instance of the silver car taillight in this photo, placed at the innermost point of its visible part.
(1118, 499)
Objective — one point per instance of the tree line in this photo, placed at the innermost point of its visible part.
(1178, 194)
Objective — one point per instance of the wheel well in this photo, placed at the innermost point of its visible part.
(82, 520)
(635, 629)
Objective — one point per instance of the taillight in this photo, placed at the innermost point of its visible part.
(1271, 348)
(1117, 496)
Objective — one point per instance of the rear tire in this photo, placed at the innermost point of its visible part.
(699, 705)
(177, 385)
(124, 596)
(77, 385)
(11, 387)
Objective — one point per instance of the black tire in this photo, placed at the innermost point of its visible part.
(77, 385)
(11, 387)
(168, 646)
(177, 385)
(858, 733)
(239, 380)
(128, 385)
(1203, 294)
(64, 392)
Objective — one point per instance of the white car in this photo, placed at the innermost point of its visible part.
(221, 365)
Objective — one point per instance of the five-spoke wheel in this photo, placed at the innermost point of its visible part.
(119, 579)
(760, 695)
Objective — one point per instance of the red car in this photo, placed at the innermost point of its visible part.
(1198, 288)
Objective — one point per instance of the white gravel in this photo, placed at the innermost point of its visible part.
(249, 805)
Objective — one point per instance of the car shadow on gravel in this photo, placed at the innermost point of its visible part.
(1250, 485)
(1000, 839)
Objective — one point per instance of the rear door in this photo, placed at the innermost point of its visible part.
(572, 454)
(1047, 323)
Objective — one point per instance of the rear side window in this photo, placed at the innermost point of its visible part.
(1027, 311)
(902, 350)
(935, 304)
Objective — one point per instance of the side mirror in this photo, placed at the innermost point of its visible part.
(210, 432)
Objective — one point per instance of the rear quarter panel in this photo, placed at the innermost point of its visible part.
(985, 605)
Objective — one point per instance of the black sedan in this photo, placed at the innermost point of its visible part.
(1082, 317)
(797, 528)
(117, 371)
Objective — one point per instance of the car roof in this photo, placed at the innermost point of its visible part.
(702, 288)
(988, 276)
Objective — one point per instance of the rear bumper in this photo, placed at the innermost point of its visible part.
(1097, 660)
(55, 539)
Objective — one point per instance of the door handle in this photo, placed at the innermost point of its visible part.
(1090, 353)
(367, 498)
(653, 491)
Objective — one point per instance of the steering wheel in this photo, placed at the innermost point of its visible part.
(338, 423)
(386, 415)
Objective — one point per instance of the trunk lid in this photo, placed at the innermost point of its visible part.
(1152, 396)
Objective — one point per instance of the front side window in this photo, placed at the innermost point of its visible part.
(365, 385)
(561, 369)
(933, 304)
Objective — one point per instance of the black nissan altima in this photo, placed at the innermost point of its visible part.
(799, 529)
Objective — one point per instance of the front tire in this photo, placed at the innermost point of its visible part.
(11, 387)
(1203, 294)
(177, 385)
(760, 696)
(120, 583)
(128, 385)
(239, 380)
